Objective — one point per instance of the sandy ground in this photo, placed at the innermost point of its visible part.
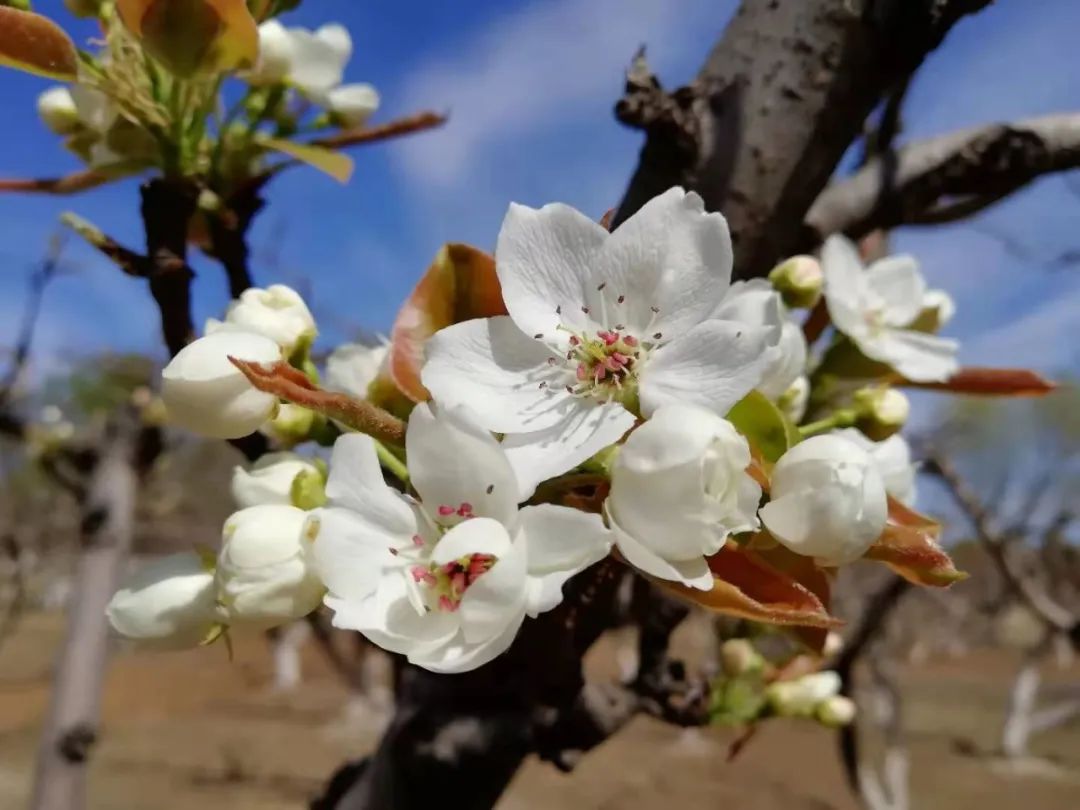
(192, 730)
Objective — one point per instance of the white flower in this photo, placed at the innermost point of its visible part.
(352, 367)
(206, 393)
(447, 579)
(802, 696)
(877, 308)
(892, 458)
(263, 570)
(836, 711)
(827, 500)
(793, 402)
(679, 488)
(168, 604)
(278, 312)
(756, 302)
(275, 54)
(601, 326)
(57, 110)
(270, 479)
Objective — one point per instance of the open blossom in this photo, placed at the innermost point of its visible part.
(270, 479)
(893, 460)
(169, 604)
(679, 488)
(602, 327)
(877, 307)
(207, 394)
(352, 367)
(447, 578)
(278, 312)
(314, 63)
(827, 500)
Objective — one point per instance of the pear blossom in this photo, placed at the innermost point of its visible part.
(603, 327)
(448, 577)
(207, 394)
(278, 312)
(679, 489)
(270, 479)
(263, 572)
(893, 460)
(802, 696)
(877, 307)
(757, 302)
(170, 603)
(353, 367)
(827, 500)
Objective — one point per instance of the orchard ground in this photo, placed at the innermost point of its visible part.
(192, 730)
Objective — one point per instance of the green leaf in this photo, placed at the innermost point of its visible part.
(335, 164)
(764, 425)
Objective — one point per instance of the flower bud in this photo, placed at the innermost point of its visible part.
(793, 402)
(270, 479)
(168, 604)
(352, 104)
(802, 696)
(352, 367)
(880, 412)
(263, 572)
(207, 394)
(799, 280)
(738, 657)
(837, 711)
(892, 458)
(308, 490)
(291, 425)
(57, 110)
(827, 500)
(278, 312)
(679, 488)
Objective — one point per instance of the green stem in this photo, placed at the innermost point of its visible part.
(840, 419)
(391, 462)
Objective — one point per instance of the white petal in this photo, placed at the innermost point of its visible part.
(452, 461)
(458, 655)
(845, 284)
(318, 61)
(543, 259)
(337, 40)
(901, 286)
(350, 552)
(353, 103)
(493, 369)
(671, 255)
(168, 604)
(693, 573)
(495, 597)
(714, 365)
(544, 454)
(544, 592)
(560, 539)
(476, 536)
(389, 619)
(916, 355)
(356, 482)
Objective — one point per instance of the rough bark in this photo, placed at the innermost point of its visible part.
(167, 208)
(781, 97)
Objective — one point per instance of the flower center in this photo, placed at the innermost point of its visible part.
(446, 584)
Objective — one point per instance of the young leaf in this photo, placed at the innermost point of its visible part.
(1009, 382)
(909, 547)
(35, 44)
(764, 426)
(335, 164)
(460, 285)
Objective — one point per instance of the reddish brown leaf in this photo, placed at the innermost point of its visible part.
(1007, 382)
(292, 385)
(749, 587)
(36, 44)
(816, 580)
(909, 547)
(460, 285)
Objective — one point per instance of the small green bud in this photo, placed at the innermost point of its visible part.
(799, 281)
(835, 712)
(292, 425)
(308, 490)
(738, 657)
(880, 412)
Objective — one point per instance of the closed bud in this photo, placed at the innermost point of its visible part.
(802, 696)
(270, 479)
(263, 571)
(57, 110)
(836, 712)
(292, 425)
(738, 657)
(168, 604)
(351, 105)
(278, 312)
(880, 412)
(793, 402)
(799, 280)
(308, 490)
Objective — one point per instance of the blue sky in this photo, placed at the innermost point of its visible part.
(530, 87)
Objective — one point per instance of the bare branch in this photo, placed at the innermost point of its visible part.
(407, 125)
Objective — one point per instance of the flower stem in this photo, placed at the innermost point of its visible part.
(391, 462)
(840, 419)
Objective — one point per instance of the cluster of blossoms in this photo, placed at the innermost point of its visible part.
(620, 359)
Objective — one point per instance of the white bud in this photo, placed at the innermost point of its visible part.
(881, 412)
(168, 604)
(827, 500)
(679, 488)
(278, 312)
(269, 480)
(837, 711)
(275, 55)
(793, 402)
(802, 696)
(351, 367)
(799, 280)
(263, 572)
(738, 657)
(57, 110)
(352, 104)
(892, 458)
(207, 394)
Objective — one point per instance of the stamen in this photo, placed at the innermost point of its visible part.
(446, 511)
(538, 336)
(630, 341)
(657, 335)
(417, 540)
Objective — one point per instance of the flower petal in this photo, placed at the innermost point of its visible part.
(493, 369)
(714, 365)
(390, 620)
(477, 536)
(318, 59)
(458, 655)
(915, 355)
(350, 552)
(671, 255)
(557, 538)
(844, 284)
(544, 454)
(543, 259)
(452, 461)
(356, 482)
(901, 286)
(495, 597)
(693, 573)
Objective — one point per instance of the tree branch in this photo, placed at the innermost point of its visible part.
(167, 208)
(948, 177)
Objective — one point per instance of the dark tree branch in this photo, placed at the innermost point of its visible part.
(949, 177)
(167, 208)
(228, 237)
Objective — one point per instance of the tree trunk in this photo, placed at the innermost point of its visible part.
(1022, 697)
